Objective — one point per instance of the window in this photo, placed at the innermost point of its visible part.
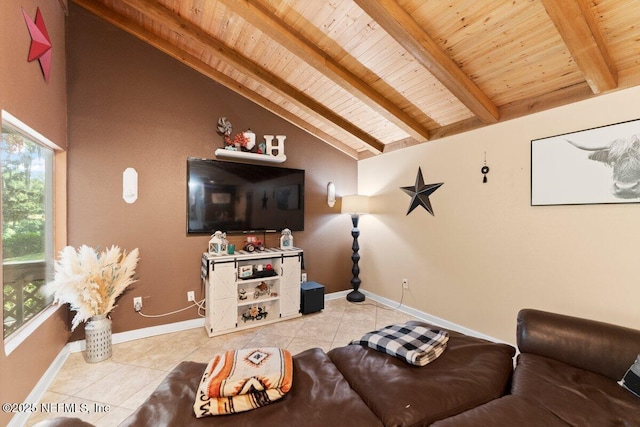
(27, 222)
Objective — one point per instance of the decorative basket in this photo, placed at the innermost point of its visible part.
(98, 338)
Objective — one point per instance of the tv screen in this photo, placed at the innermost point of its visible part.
(238, 197)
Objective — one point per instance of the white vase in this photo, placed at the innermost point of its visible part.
(98, 338)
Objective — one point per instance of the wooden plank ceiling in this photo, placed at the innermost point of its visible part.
(369, 77)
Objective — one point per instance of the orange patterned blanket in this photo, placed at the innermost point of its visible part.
(240, 380)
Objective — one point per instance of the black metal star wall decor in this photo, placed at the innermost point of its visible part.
(420, 193)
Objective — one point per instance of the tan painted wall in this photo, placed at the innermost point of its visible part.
(487, 253)
(132, 106)
(42, 106)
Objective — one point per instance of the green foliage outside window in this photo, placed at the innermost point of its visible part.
(23, 195)
(25, 169)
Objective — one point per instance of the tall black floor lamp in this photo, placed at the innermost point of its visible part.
(355, 206)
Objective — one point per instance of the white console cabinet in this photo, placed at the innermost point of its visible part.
(249, 289)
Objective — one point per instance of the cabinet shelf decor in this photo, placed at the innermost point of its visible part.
(249, 289)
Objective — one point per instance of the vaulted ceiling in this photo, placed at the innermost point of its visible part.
(373, 76)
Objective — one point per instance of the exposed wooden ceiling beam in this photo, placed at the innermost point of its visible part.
(212, 46)
(196, 64)
(580, 33)
(259, 14)
(514, 110)
(163, 28)
(178, 25)
(406, 31)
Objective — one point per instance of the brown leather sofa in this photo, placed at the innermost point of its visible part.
(565, 375)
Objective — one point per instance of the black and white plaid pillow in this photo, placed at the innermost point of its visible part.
(631, 380)
(415, 344)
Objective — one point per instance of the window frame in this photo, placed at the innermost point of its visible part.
(55, 228)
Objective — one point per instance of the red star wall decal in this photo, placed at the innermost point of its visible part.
(40, 48)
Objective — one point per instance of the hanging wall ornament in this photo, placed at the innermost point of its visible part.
(420, 193)
(485, 169)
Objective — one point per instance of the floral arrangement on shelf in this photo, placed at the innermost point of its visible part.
(244, 141)
(91, 282)
(238, 141)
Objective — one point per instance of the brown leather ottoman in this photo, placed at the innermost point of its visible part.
(320, 396)
(469, 373)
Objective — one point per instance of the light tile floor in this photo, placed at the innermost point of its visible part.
(123, 382)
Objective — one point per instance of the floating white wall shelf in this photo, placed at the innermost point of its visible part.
(231, 154)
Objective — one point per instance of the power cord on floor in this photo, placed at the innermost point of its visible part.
(199, 304)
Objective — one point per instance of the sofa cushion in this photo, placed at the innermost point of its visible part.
(583, 343)
(469, 373)
(576, 396)
(319, 396)
(508, 411)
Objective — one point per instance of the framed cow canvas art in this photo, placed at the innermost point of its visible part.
(592, 166)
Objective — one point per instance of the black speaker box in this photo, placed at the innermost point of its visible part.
(311, 297)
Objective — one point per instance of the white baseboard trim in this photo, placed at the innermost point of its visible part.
(21, 418)
(136, 334)
(426, 317)
(429, 318)
(336, 295)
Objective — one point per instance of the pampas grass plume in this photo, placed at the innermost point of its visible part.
(90, 282)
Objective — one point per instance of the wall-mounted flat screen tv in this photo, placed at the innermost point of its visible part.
(239, 197)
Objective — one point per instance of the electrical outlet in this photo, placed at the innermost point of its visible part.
(304, 277)
(191, 296)
(137, 303)
(405, 283)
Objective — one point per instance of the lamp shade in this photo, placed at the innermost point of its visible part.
(355, 205)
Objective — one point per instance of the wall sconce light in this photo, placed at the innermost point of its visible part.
(130, 185)
(331, 194)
